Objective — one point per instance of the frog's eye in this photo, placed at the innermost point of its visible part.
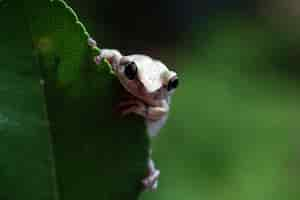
(130, 70)
(173, 83)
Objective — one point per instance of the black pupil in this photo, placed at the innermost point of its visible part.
(173, 84)
(130, 70)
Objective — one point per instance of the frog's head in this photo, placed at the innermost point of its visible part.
(147, 79)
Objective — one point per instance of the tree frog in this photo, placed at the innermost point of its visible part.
(149, 84)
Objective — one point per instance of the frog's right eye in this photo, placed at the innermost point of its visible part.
(130, 70)
(173, 83)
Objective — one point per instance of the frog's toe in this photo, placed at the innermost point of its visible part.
(151, 181)
(132, 106)
(98, 59)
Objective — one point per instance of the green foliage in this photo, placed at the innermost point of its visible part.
(233, 128)
(89, 152)
(26, 159)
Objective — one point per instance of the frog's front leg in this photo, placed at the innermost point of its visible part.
(155, 116)
(113, 56)
(150, 113)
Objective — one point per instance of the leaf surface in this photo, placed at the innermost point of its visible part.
(85, 151)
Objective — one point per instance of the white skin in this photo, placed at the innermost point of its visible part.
(150, 91)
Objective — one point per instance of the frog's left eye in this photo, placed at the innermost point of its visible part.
(130, 70)
(173, 83)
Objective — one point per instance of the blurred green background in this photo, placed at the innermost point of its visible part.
(233, 128)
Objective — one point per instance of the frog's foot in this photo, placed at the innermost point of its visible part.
(151, 181)
(129, 106)
(156, 113)
(152, 113)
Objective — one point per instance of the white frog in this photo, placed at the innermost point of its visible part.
(150, 85)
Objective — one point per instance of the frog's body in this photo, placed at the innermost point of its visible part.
(150, 85)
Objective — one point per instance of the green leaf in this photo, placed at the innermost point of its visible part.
(89, 152)
(26, 158)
